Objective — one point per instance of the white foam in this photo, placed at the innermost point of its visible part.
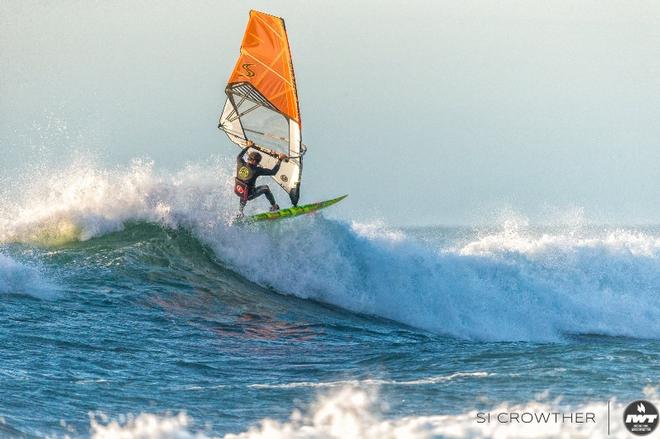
(145, 426)
(353, 413)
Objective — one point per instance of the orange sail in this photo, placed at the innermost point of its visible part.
(265, 63)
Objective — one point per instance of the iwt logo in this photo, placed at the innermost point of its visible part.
(640, 417)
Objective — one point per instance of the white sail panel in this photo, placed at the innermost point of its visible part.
(231, 125)
(249, 116)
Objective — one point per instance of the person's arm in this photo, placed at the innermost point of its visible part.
(239, 158)
(275, 168)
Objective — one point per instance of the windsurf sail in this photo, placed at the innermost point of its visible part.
(262, 101)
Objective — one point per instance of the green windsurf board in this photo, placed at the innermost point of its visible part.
(292, 211)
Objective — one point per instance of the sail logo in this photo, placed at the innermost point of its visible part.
(249, 73)
(640, 417)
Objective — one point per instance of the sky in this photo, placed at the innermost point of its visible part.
(426, 113)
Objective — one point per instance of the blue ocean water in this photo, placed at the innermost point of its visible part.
(130, 304)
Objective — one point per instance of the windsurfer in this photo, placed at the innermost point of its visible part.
(247, 174)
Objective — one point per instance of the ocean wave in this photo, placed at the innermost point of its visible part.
(504, 285)
(356, 413)
(554, 287)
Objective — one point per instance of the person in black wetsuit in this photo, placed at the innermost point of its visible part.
(247, 174)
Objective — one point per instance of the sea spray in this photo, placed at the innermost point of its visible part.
(84, 201)
(20, 278)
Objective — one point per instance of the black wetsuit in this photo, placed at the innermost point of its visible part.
(248, 174)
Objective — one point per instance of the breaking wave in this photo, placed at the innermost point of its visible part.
(507, 284)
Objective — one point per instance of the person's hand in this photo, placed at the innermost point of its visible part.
(282, 156)
(249, 143)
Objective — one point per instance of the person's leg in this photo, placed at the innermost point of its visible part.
(263, 190)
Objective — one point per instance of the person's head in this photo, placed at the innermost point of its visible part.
(254, 158)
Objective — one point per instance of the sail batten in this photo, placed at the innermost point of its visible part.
(262, 100)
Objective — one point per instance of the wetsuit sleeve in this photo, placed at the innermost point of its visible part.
(239, 158)
(272, 171)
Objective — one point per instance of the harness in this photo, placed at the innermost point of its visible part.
(241, 189)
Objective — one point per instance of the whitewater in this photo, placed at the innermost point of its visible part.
(131, 305)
